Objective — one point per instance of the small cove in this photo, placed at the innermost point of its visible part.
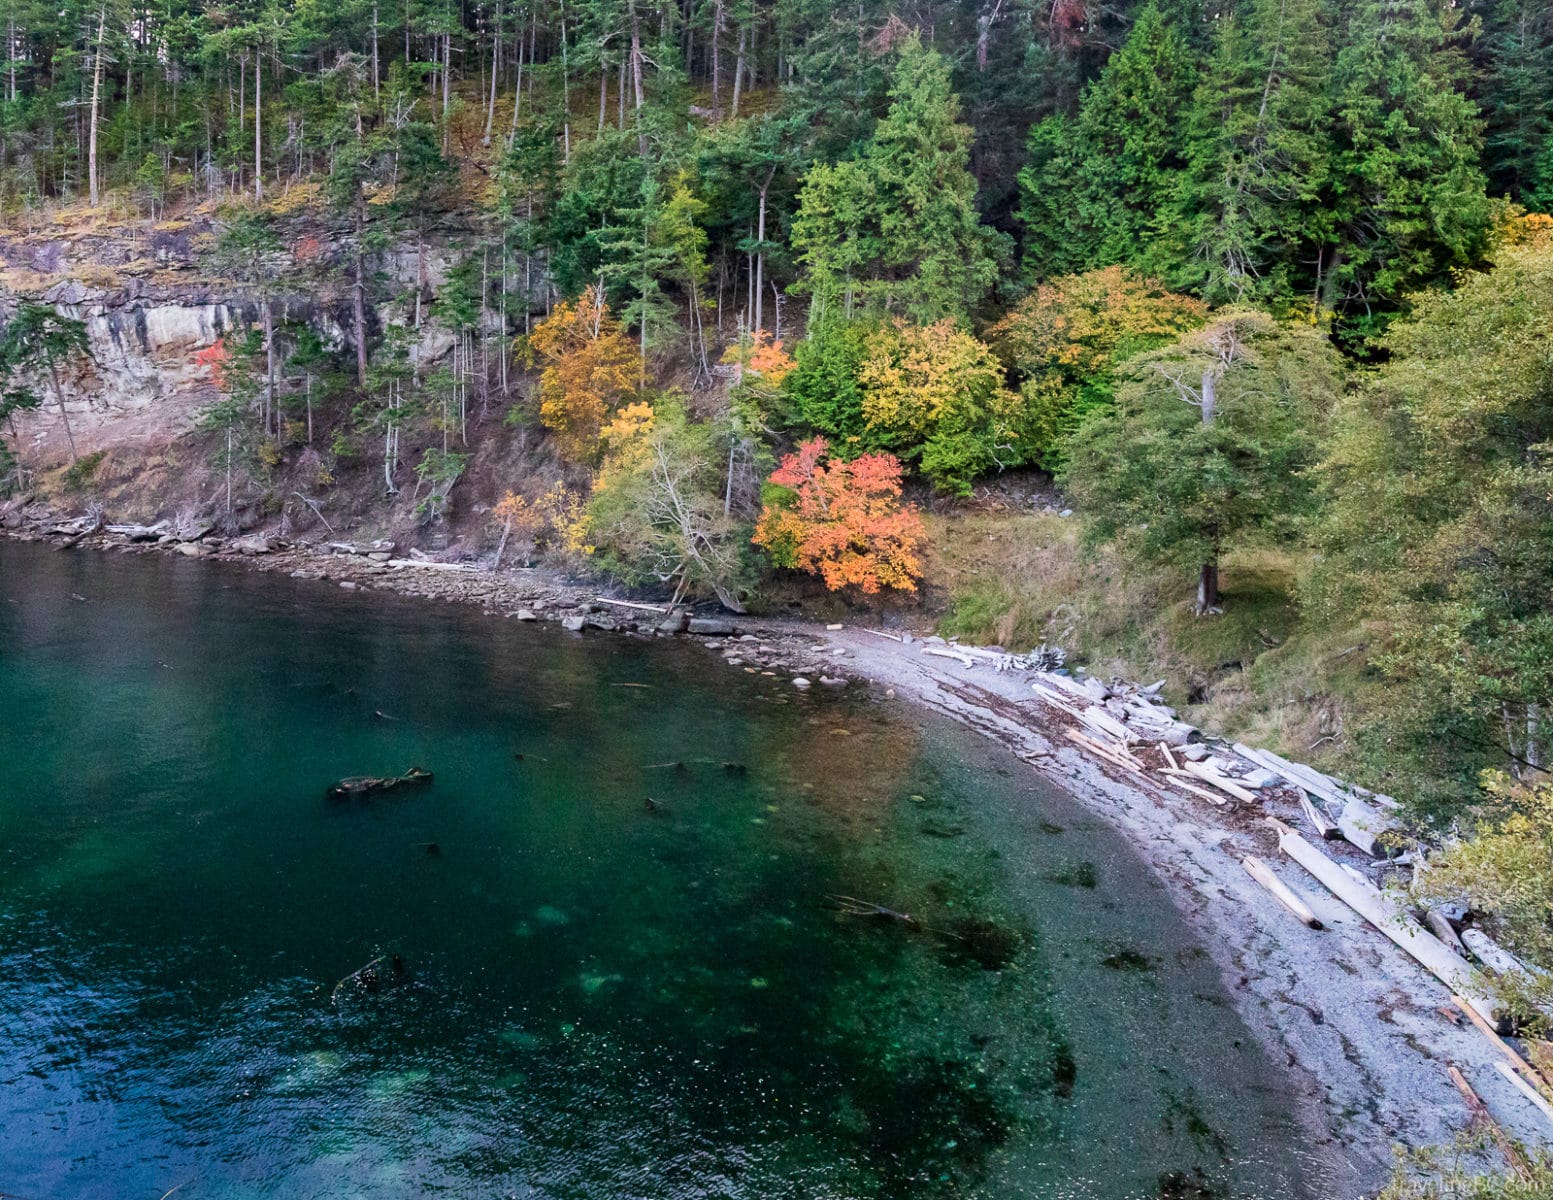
(599, 998)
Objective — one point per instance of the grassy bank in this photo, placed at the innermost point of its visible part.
(1256, 672)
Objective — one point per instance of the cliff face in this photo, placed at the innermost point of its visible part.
(151, 303)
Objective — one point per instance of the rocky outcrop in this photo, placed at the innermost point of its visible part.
(150, 305)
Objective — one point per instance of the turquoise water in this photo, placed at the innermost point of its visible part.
(597, 998)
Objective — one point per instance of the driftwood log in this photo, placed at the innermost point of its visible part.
(1367, 900)
(359, 787)
(1280, 891)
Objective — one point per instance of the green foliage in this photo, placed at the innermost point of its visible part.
(83, 470)
(658, 512)
(1439, 527)
(895, 230)
(1101, 185)
(823, 389)
(936, 395)
(1187, 489)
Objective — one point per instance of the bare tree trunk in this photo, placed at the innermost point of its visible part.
(447, 75)
(91, 153)
(490, 112)
(738, 70)
(359, 304)
(59, 394)
(1208, 587)
(376, 85)
(517, 96)
(1208, 577)
(760, 238)
(636, 76)
(269, 368)
(258, 125)
(719, 19)
(566, 95)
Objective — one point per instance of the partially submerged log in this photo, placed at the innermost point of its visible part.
(850, 906)
(359, 787)
(656, 608)
(1280, 891)
(1366, 900)
(384, 971)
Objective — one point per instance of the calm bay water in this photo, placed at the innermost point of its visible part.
(598, 999)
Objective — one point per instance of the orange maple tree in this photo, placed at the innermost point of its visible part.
(843, 521)
(590, 369)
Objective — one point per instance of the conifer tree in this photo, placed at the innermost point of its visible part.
(897, 227)
(1408, 193)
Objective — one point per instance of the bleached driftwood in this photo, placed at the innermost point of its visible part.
(1488, 1030)
(1208, 775)
(1323, 824)
(1360, 824)
(427, 564)
(1480, 1117)
(1313, 781)
(657, 608)
(944, 652)
(1055, 699)
(1495, 957)
(1366, 900)
(1441, 927)
(1526, 1090)
(1098, 719)
(1091, 691)
(1280, 891)
(894, 637)
(1114, 754)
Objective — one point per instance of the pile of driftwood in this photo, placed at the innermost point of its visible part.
(1129, 727)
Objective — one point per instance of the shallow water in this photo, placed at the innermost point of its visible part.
(597, 1000)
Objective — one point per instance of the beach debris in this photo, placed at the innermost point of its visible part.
(1480, 1117)
(958, 656)
(1280, 891)
(1526, 1090)
(1368, 901)
(359, 787)
(1496, 958)
(1487, 1029)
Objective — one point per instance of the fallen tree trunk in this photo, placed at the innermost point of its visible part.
(1281, 892)
(1526, 1090)
(957, 655)
(1480, 1117)
(657, 608)
(1366, 900)
(465, 568)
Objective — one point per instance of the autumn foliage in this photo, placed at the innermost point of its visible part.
(843, 521)
(757, 354)
(590, 369)
(217, 358)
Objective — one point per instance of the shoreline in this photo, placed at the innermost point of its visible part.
(1354, 1023)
